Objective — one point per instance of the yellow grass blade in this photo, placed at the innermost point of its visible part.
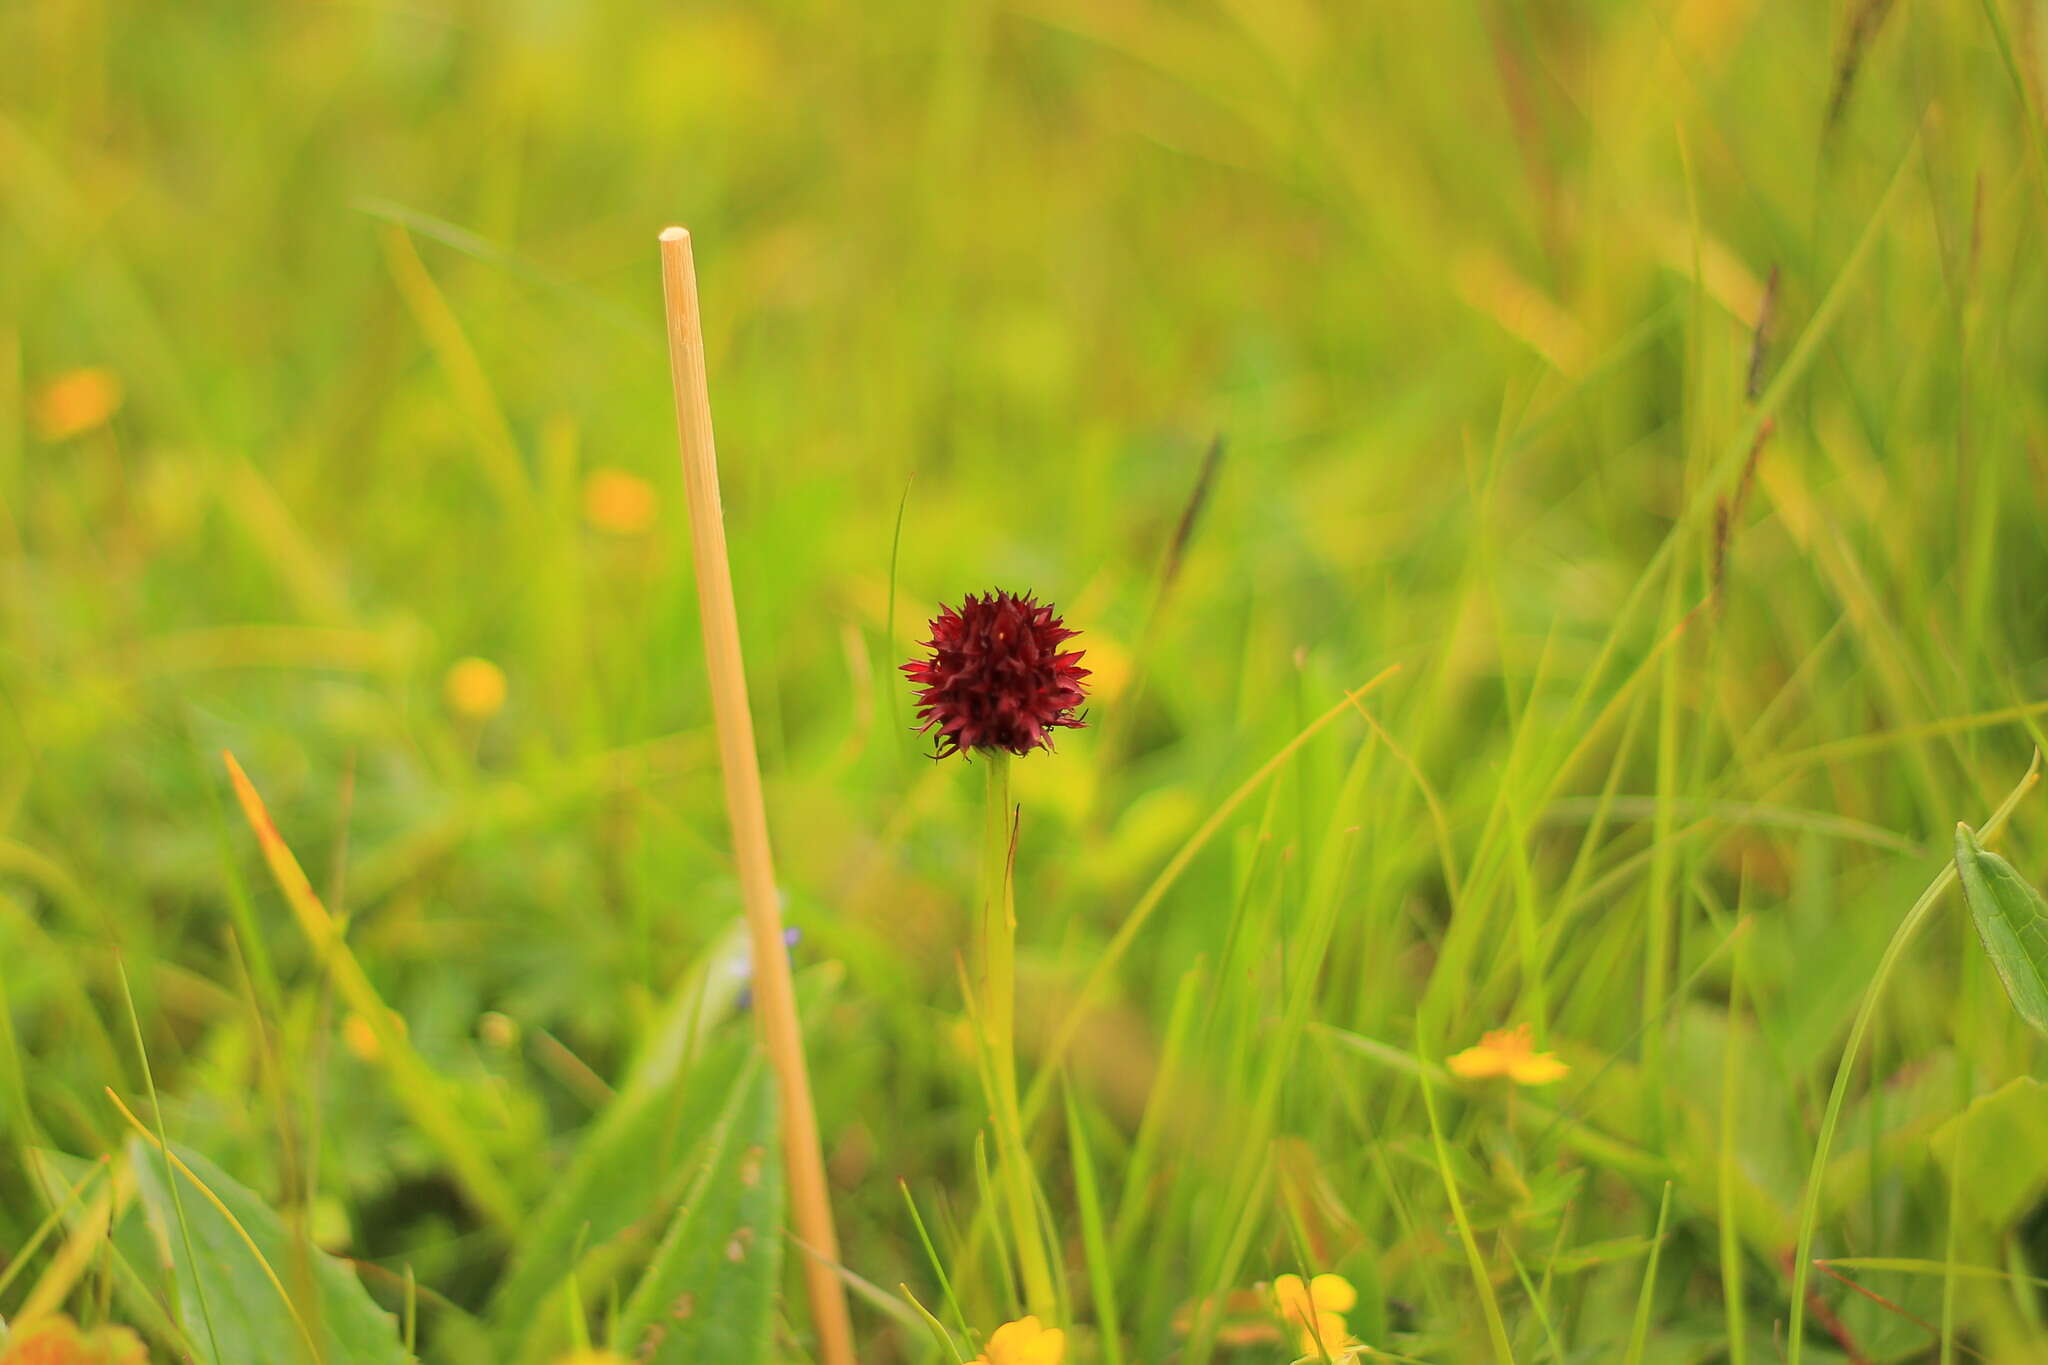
(417, 1089)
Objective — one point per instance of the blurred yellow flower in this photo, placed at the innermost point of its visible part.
(76, 402)
(500, 1031)
(57, 1341)
(1024, 1342)
(475, 688)
(1315, 1311)
(592, 1358)
(361, 1039)
(1508, 1052)
(619, 503)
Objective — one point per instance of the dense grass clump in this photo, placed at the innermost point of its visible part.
(1510, 760)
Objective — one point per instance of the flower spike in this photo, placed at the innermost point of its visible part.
(996, 677)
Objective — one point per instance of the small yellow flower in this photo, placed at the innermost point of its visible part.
(1024, 1342)
(76, 402)
(1508, 1052)
(360, 1037)
(619, 503)
(475, 689)
(501, 1031)
(57, 1341)
(1315, 1311)
(593, 1358)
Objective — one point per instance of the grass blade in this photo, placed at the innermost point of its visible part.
(1640, 1334)
(1809, 1212)
(1496, 1327)
(1101, 1269)
(417, 1089)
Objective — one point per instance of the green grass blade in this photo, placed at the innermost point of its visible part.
(416, 1087)
(163, 1142)
(1639, 1335)
(931, 1253)
(1733, 1299)
(1105, 964)
(1101, 1268)
(1909, 927)
(1482, 1282)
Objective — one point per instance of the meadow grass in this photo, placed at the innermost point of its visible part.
(1643, 401)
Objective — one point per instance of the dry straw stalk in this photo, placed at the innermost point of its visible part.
(775, 997)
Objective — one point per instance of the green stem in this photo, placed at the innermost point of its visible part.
(999, 994)
(1809, 1213)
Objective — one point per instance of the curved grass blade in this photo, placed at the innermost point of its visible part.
(416, 1087)
(1809, 1206)
(2012, 922)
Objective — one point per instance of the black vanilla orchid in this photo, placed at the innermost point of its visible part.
(996, 677)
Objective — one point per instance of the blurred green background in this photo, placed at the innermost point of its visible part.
(330, 357)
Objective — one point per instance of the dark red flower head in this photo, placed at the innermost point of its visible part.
(996, 677)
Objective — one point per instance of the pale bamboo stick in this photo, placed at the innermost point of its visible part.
(774, 996)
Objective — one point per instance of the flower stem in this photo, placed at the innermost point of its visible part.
(999, 992)
(1809, 1212)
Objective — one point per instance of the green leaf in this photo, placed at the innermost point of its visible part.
(709, 1292)
(268, 1295)
(607, 1207)
(132, 1251)
(1993, 1155)
(615, 1188)
(2012, 920)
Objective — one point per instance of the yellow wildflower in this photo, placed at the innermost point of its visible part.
(360, 1036)
(1508, 1052)
(57, 1341)
(1315, 1311)
(475, 689)
(76, 402)
(1024, 1342)
(501, 1031)
(619, 503)
(593, 1358)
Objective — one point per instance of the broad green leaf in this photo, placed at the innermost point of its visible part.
(133, 1259)
(2012, 921)
(609, 1204)
(2003, 1163)
(248, 1290)
(709, 1292)
(624, 1177)
(60, 1174)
